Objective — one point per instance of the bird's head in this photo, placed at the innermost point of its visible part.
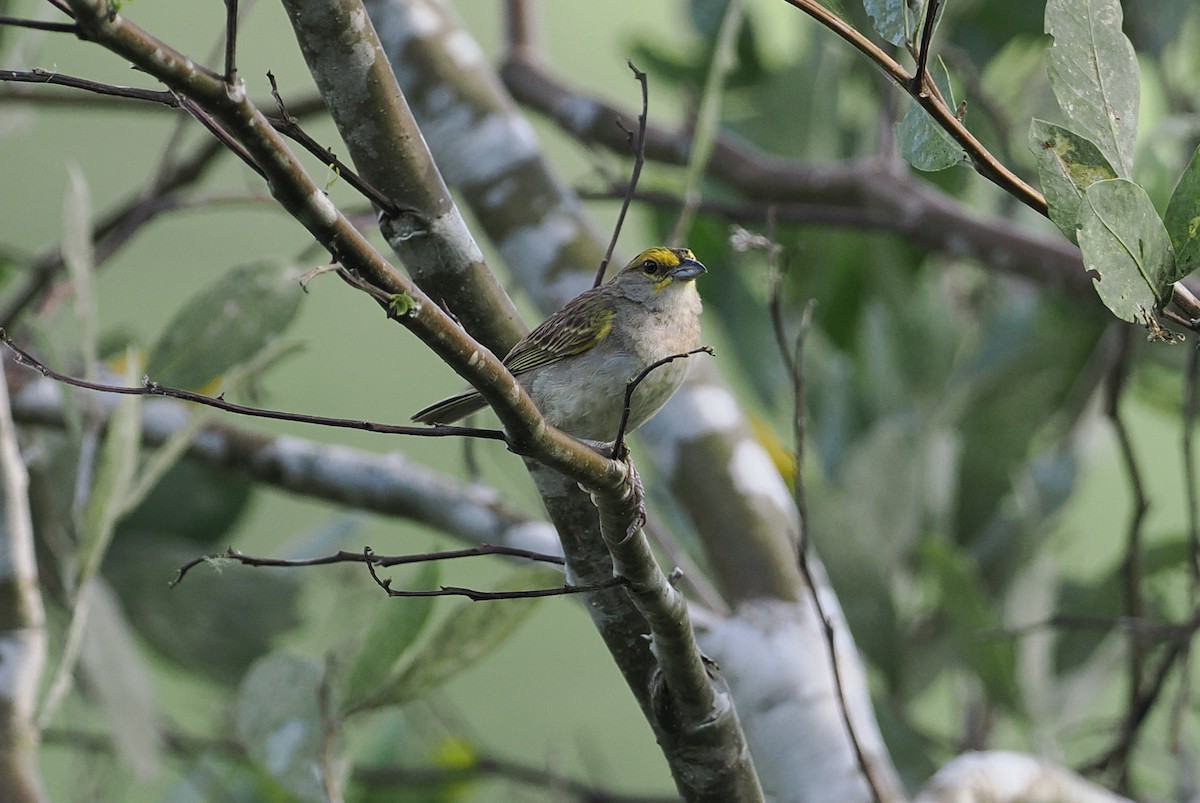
(656, 269)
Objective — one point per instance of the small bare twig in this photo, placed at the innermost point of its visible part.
(489, 596)
(984, 162)
(1135, 607)
(638, 142)
(521, 29)
(1191, 400)
(1132, 569)
(792, 355)
(63, 7)
(619, 450)
(289, 127)
(150, 388)
(1191, 392)
(1117, 756)
(922, 72)
(223, 136)
(231, 29)
(366, 556)
(39, 25)
(40, 76)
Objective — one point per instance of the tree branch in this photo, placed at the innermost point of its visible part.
(23, 638)
(930, 217)
(387, 484)
(150, 388)
(985, 163)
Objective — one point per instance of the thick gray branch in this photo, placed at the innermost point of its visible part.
(388, 484)
(22, 624)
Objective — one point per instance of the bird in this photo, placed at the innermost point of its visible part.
(577, 363)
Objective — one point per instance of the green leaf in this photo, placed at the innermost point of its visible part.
(225, 324)
(401, 304)
(972, 617)
(1125, 243)
(398, 622)
(1182, 219)
(1094, 74)
(80, 260)
(470, 633)
(923, 142)
(244, 611)
(119, 678)
(114, 477)
(897, 21)
(1067, 164)
(194, 501)
(279, 721)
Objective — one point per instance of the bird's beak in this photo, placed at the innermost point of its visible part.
(688, 269)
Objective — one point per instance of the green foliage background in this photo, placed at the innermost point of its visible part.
(960, 481)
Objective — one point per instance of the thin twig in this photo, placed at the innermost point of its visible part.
(63, 7)
(521, 29)
(39, 25)
(231, 29)
(638, 142)
(1191, 400)
(221, 134)
(114, 230)
(40, 76)
(922, 72)
(289, 127)
(984, 162)
(344, 556)
(792, 355)
(489, 596)
(1139, 711)
(150, 388)
(1188, 413)
(1132, 565)
(619, 450)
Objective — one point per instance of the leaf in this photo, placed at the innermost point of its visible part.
(972, 616)
(80, 260)
(470, 633)
(897, 21)
(923, 142)
(396, 626)
(1124, 242)
(114, 476)
(193, 501)
(279, 721)
(1094, 74)
(244, 612)
(225, 325)
(120, 679)
(1182, 219)
(1067, 164)
(401, 304)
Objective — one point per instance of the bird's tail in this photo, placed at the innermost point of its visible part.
(447, 411)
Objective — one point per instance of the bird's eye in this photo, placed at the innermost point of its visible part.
(650, 266)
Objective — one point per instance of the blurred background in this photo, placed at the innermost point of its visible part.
(962, 477)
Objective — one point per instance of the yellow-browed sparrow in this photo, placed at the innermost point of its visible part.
(575, 366)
